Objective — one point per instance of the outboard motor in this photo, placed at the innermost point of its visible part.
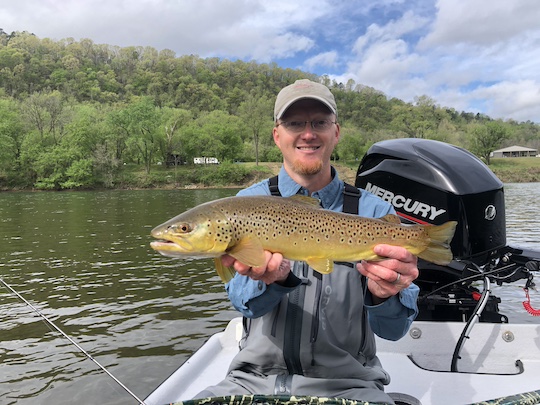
(431, 182)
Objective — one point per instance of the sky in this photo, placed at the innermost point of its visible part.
(471, 55)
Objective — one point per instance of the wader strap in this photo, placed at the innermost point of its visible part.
(351, 195)
(273, 186)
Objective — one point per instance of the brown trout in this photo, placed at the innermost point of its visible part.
(298, 228)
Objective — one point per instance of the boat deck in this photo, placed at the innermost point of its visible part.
(498, 360)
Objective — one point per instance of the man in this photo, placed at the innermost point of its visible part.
(307, 333)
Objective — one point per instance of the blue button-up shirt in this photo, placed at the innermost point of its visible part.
(390, 319)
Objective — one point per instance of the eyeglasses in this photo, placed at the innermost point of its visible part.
(299, 126)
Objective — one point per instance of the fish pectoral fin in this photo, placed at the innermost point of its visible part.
(248, 251)
(391, 218)
(225, 273)
(322, 265)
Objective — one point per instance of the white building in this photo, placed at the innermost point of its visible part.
(514, 151)
(205, 161)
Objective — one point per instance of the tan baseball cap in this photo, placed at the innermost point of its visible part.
(302, 89)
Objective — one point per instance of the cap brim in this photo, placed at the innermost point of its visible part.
(294, 100)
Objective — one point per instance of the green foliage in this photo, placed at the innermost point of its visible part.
(57, 166)
(77, 114)
(224, 174)
(352, 145)
(12, 134)
(487, 138)
(79, 174)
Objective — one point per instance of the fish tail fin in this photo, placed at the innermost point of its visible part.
(225, 273)
(438, 251)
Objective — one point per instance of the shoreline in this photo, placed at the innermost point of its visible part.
(506, 174)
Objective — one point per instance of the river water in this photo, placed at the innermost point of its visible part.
(83, 259)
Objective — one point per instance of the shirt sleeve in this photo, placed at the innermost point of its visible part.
(392, 318)
(254, 298)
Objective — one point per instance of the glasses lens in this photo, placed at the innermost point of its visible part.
(298, 126)
(295, 126)
(320, 125)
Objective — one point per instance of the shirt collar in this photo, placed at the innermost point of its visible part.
(331, 196)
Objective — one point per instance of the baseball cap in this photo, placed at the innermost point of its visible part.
(302, 89)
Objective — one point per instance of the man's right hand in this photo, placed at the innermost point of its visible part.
(275, 270)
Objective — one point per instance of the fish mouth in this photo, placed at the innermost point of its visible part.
(168, 248)
(172, 249)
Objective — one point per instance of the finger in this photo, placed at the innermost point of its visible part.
(394, 252)
(240, 268)
(227, 260)
(274, 261)
(264, 267)
(377, 271)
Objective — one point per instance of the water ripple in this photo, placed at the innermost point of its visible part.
(83, 259)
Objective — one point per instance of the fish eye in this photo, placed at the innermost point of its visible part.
(181, 228)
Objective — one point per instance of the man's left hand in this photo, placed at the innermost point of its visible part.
(389, 276)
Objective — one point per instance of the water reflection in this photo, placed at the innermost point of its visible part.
(84, 260)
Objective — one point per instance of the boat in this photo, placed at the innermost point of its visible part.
(460, 349)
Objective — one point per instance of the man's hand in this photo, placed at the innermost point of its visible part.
(388, 277)
(275, 270)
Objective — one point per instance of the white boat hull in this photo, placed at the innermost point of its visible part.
(498, 360)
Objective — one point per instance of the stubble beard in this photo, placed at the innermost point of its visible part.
(307, 169)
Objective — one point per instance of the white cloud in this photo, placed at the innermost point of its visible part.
(475, 22)
(375, 33)
(325, 59)
(465, 54)
(519, 99)
(230, 28)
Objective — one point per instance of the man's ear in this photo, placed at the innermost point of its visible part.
(338, 133)
(275, 135)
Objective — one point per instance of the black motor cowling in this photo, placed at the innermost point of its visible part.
(431, 182)
(434, 182)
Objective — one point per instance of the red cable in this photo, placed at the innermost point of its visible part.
(527, 305)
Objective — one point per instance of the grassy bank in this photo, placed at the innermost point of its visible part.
(509, 170)
(192, 176)
(195, 176)
(516, 170)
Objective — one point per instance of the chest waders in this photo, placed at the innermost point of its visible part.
(293, 325)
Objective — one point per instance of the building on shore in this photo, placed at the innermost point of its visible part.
(515, 151)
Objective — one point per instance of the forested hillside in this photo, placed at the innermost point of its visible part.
(74, 114)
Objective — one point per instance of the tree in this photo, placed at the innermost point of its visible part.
(46, 113)
(351, 146)
(12, 134)
(141, 121)
(170, 145)
(255, 111)
(485, 138)
(214, 134)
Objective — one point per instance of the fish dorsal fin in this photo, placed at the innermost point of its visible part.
(322, 265)
(391, 218)
(248, 251)
(225, 273)
(304, 199)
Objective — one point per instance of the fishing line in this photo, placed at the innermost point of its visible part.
(52, 324)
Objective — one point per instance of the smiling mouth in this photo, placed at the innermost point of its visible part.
(307, 147)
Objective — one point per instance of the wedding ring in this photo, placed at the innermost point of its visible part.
(397, 279)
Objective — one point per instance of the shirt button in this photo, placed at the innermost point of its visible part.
(260, 285)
